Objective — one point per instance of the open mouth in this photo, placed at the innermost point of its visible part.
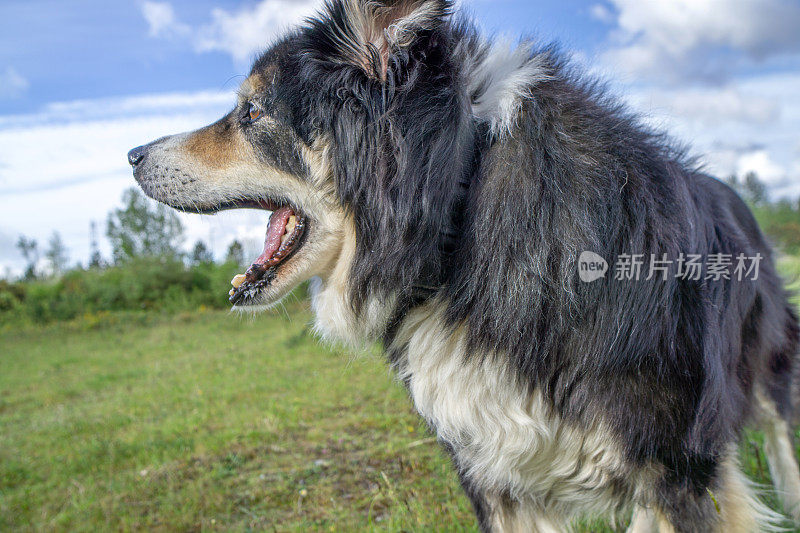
(284, 237)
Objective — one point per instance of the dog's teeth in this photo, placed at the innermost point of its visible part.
(238, 281)
(290, 225)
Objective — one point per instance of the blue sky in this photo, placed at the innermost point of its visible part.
(83, 81)
(93, 48)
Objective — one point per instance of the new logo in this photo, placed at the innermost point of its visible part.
(591, 267)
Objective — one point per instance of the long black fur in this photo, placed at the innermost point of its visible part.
(493, 225)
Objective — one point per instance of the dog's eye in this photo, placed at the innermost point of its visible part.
(254, 112)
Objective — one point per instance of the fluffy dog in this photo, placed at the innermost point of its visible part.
(440, 189)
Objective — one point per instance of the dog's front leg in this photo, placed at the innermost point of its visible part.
(643, 520)
(513, 516)
(498, 512)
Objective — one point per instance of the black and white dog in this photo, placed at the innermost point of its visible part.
(440, 190)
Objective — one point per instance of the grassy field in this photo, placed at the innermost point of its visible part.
(790, 267)
(211, 422)
(207, 421)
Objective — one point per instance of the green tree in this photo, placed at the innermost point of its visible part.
(201, 253)
(754, 189)
(143, 228)
(57, 254)
(95, 259)
(29, 249)
(235, 253)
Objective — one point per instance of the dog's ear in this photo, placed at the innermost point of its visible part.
(368, 32)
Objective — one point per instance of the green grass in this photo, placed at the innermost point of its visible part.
(790, 268)
(212, 422)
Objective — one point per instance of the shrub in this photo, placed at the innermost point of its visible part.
(141, 284)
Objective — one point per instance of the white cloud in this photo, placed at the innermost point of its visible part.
(720, 77)
(749, 124)
(241, 33)
(715, 105)
(12, 83)
(72, 142)
(249, 30)
(65, 166)
(161, 20)
(119, 108)
(676, 39)
(760, 162)
(601, 13)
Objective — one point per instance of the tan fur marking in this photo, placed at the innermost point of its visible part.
(738, 505)
(740, 510)
(257, 83)
(216, 146)
(783, 466)
(247, 88)
(779, 449)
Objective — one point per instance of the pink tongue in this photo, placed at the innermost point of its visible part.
(275, 230)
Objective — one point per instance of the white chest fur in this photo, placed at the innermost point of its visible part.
(506, 440)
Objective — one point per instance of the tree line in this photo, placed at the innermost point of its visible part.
(147, 271)
(140, 228)
(778, 219)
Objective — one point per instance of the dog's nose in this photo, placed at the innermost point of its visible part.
(136, 155)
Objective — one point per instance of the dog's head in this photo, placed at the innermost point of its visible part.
(355, 132)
